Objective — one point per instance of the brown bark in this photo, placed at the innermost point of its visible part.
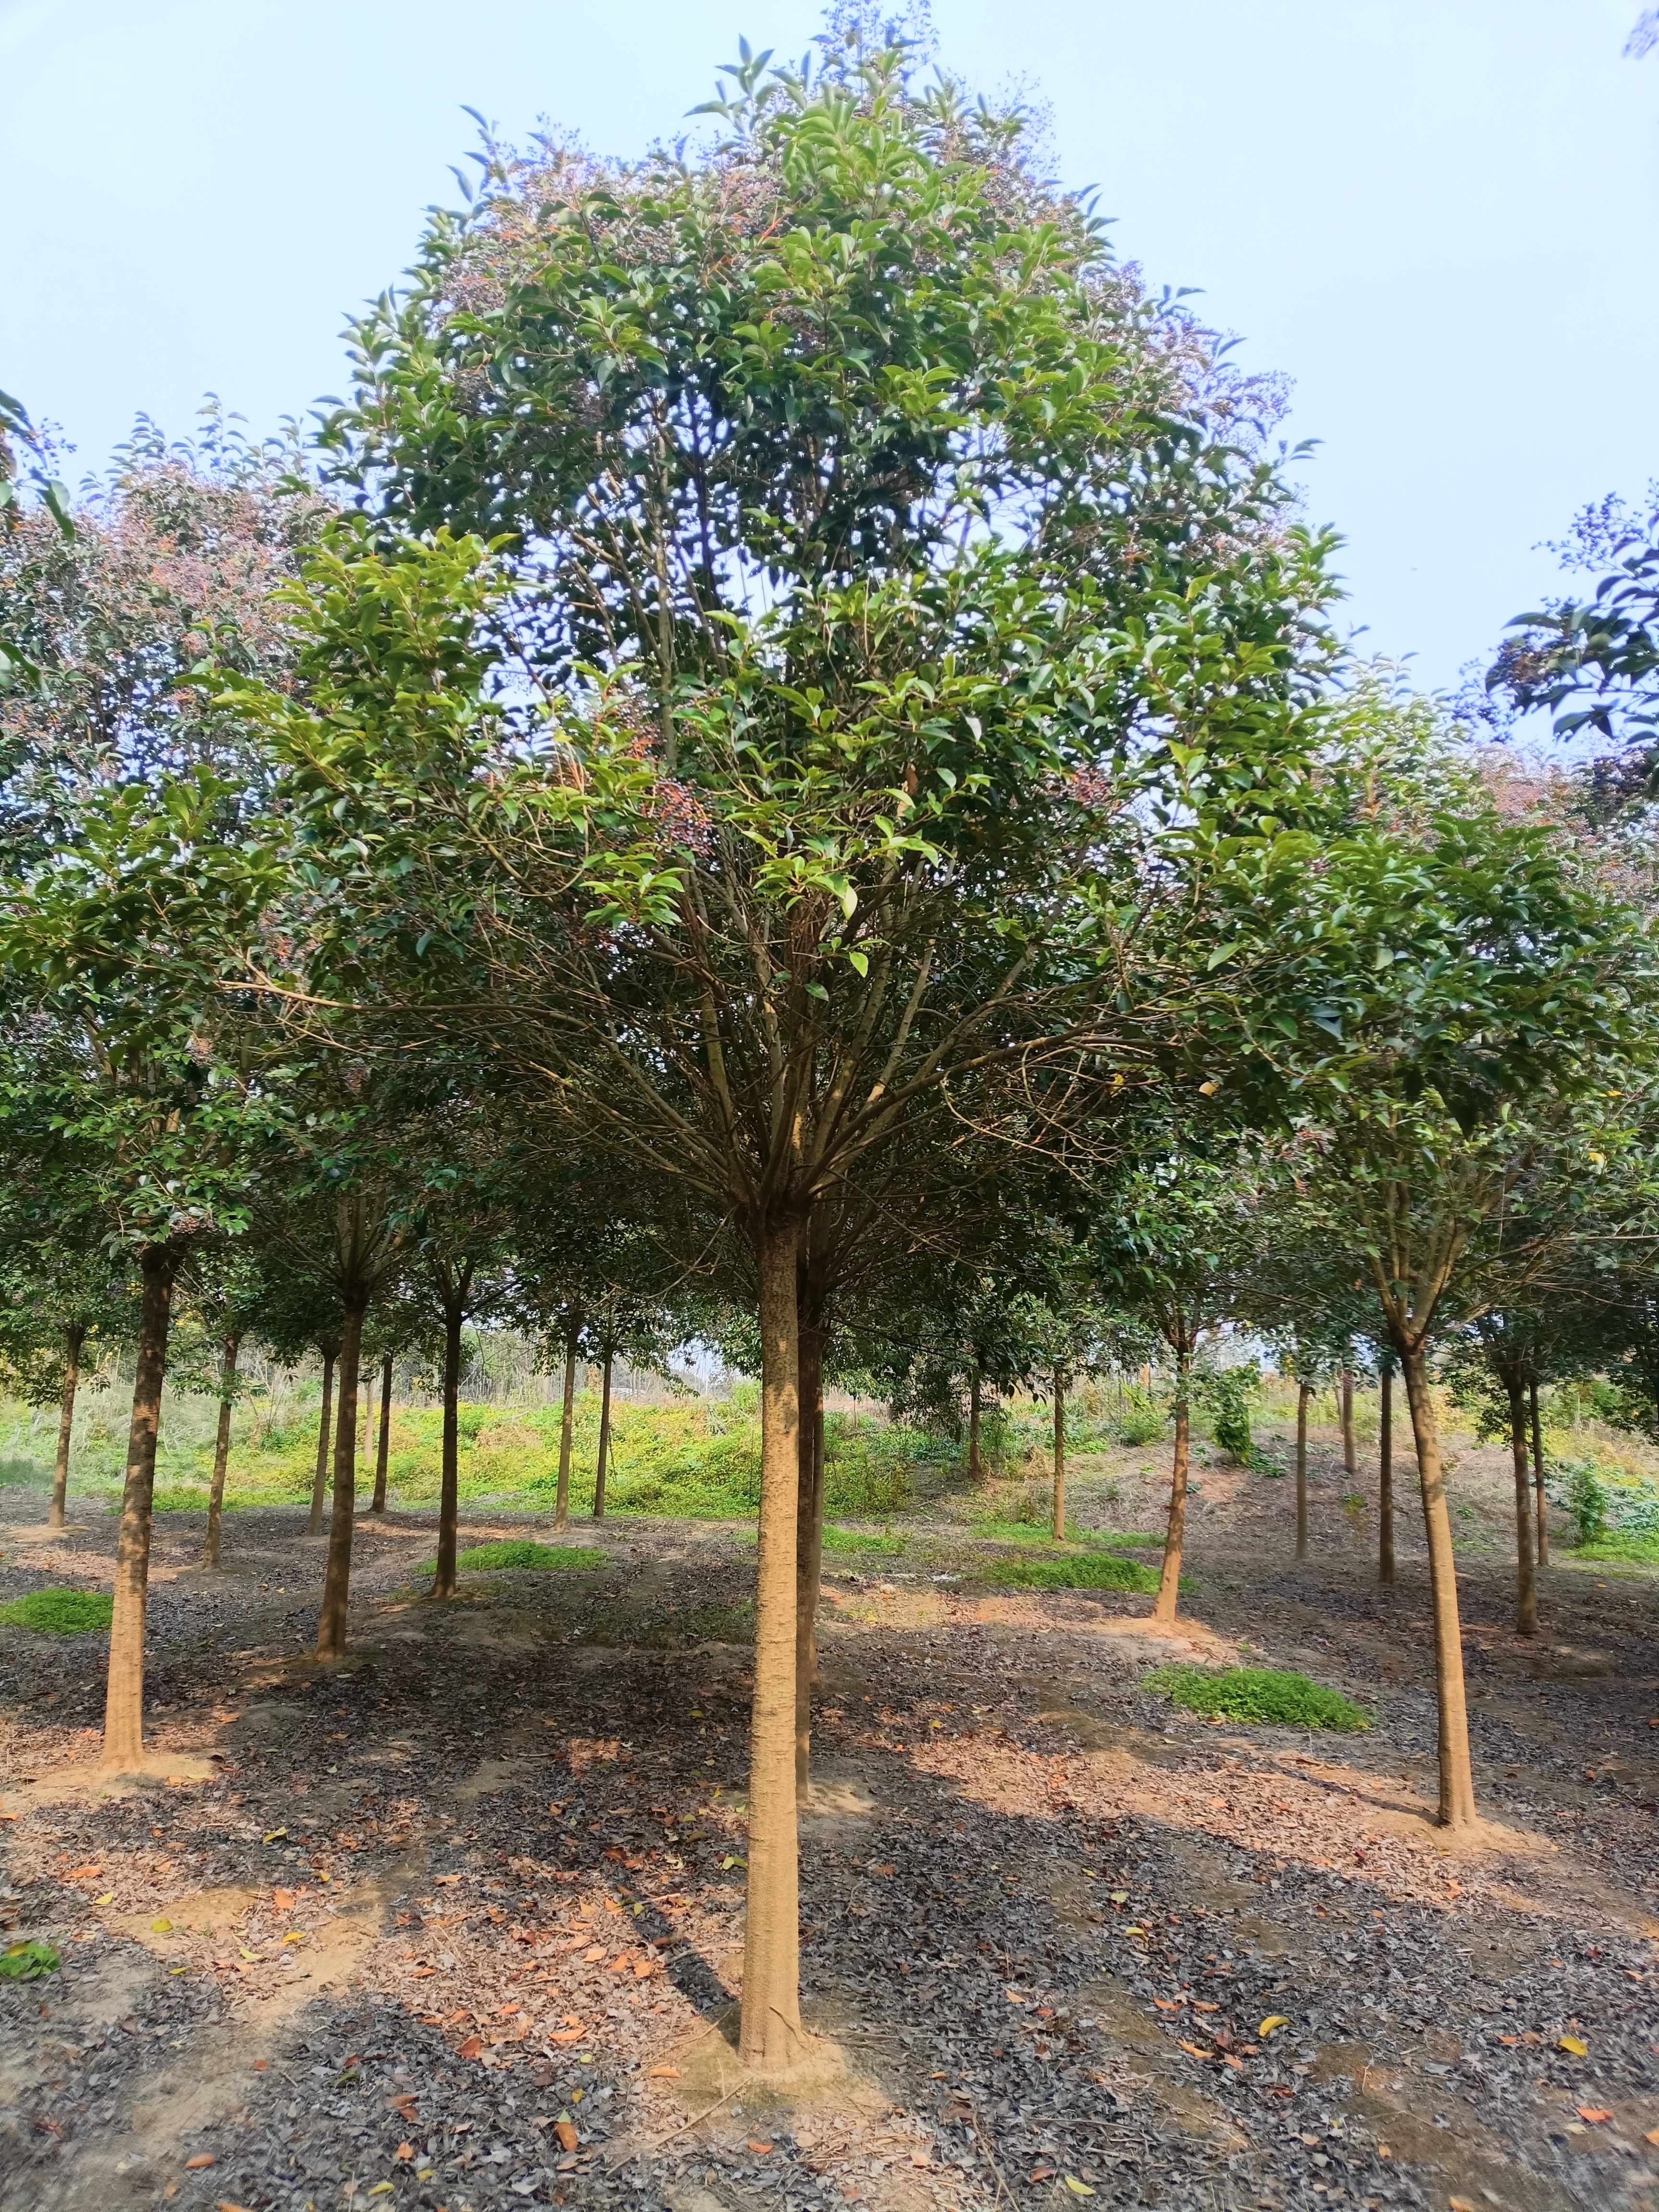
(222, 1449)
(1303, 1392)
(604, 1452)
(336, 1579)
(1168, 1587)
(1057, 1523)
(324, 1429)
(383, 1456)
(1543, 1522)
(809, 1538)
(449, 1492)
(1349, 1457)
(769, 2040)
(567, 1424)
(123, 1701)
(1385, 1477)
(375, 1505)
(74, 1337)
(1456, 1775)
(1526, 1570)
(973, 1417)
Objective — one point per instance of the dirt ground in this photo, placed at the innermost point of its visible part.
(458, 1923)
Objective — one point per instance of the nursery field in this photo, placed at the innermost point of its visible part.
(1086, 1910)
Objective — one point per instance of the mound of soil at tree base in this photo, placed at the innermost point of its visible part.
(464, 1914)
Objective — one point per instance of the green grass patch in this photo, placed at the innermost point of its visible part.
(517, 1552)
(855, 1539)
(1102, 1572)
(26, 1962)
(60, 1612)
(1266, 1696)
(1107, 1539)
(178, 1497)
(1632, 1546)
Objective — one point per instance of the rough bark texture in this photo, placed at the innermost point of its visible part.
(567, 1424)
(74, 1338)
(1349, 1457)
(1057, 1524)
(1526, 1570)
(809, 1539)
(1385, 1477)
(449, 1493)
(604, 1452)
(1543, 1522)
(384, 1454)
(1456, 1776)
(220, 1449)
(1168, 1587)
(974, 1412)
(123, 1702)
(1303, 1394)
(769, 2040)
(323, 1433)
(337, 1580)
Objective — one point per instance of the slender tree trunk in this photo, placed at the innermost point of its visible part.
(1385, 1478)
(449, 1493)
(809, 1541)
(74, 1337)
(1057, 1521)
(1168, 1587)
(1538, 1479)
(974, 1415)
(123, 1701)
(1349, 1457)
(320, 1483)
(222, 1449)
(604, 1452)
(1456, 1775)
(384, 1454)
(337, 1580)
(1526, 1568)
(567, 1424)
(376, 1504)
(770, 2037)
(1303, 1394)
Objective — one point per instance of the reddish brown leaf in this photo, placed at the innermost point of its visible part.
(472, 2046)
(566, 2132)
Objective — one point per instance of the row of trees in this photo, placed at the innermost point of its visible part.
(786, 750)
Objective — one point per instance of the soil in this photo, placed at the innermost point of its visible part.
(457, 1922)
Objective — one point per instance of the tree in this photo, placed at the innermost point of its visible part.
(61, 1306)
(229, 1293)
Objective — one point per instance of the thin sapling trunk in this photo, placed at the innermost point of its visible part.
(1538, 1478)
(74, 1337)
(1303, 1392)
(337, 1580)
(1385, 1476)
(1057, 1526)
(1168, 1587)
(123, 1702)
(567, 1424)
(1349, 1457)
(443, 1581)
(603, 1453)
(222, 1449)
(974, 1393)
(324, 1426)
(1456, 1774)
(383, 1456)
(809, 1544)
(1526, 1566)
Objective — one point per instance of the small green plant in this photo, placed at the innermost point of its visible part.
(26, 1962)
(1141, 1420)
(1628, 1545)
(1105, 1572)
(516, 1553)
(1266, 1696)
(60, 1612)
(855, 1539)
(177, 1497)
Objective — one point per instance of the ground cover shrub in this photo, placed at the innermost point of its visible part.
(519, 1554)
(1606, 1499)
(1102, 1572)
(856, 1540)
(1267, 1696)
(177, 1497)
(59, 1612)
(1629, 1546)
(26, 1962)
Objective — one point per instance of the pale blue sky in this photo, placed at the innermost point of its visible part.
(1438, 217)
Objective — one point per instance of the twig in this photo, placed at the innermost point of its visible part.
(647, 2149)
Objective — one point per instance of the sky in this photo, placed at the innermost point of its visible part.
(1436, 217)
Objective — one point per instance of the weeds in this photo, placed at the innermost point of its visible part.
(495, 1558)
(60, 1612)
(1107, 1572)
(1265, 1696)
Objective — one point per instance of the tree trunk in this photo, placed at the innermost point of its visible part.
(604, 1452)
(376, 1504)
(974, 1393)
(1168, 1587)
(1456, 1776)
(449, 1493)
(323, 1427)
(1526, 1570)
(1057, 1522)
(124, 1700)
(1385, 1478)
(384, 1454)
(74, 1337)
(567, 1422)
(1303, 1392)
(1349, 1457)
(337, 1580)
(809, 1541)
(1538, 1479)
(221, 1448)
(770, 2037)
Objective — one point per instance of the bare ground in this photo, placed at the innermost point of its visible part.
(459, 1923)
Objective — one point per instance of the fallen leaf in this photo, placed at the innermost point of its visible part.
(472, 2046)
(1043, 2173)
(1171, 2004)
(1594, 2113)
(108, 1898)
(282, 1899)
(664, 2073)
(1460, 2204)
(1652, 2137)
(643, 1970)
(1196, 2051)
(1273, 2023)
(920, 2157)
(1198, 2005)
(83, 1874)
(203, 2159)
(568, 2035)
(277, 1836)
(760, 2149)
(405, 2150)
(1078, 2188)
(566, 2131)
(594, 1953)
(1575, 2044)
(161, 1927)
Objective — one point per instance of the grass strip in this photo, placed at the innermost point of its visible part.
(60, 1612)
(519, 1553)
(1267, 1696)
